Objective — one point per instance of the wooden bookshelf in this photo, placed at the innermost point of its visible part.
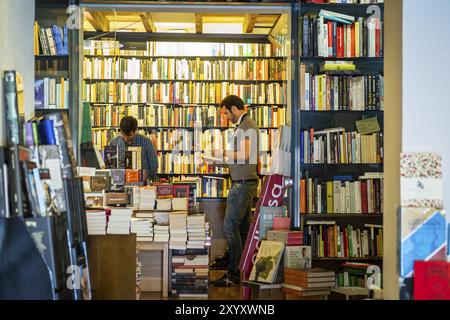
(280, 85)
(365, 65)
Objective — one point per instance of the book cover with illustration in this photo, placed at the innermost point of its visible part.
(267, 261)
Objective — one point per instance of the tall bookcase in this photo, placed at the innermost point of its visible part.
(174, 84)
(337, 99)
(51, 57)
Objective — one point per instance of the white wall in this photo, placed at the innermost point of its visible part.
(17, 50)
(426, 81)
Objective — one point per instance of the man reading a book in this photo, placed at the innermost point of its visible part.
(130, 138)
(241, 158)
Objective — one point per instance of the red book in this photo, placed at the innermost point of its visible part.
(340, 42)
(302, 196)
(353, 41)
(281, 223)
(431, 280)
(377, 37)
(345, 243)
(364, 204)
(330, 38)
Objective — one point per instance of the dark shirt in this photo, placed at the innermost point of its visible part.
(149, 155)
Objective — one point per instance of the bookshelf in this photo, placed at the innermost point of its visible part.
(331, 162)
(176, 96)
(51, 51)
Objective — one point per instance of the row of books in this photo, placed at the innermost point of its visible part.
(330, 240)
(182, 116)
(51, 93)
(182, 92)
(195, 49)
(332, 34)
(337, 93)
(336, 146)
(183, 69)
(342, 195)
(355, 275)
(176, 163)
(51, 41)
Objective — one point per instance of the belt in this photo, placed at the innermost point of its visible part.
(245, 181)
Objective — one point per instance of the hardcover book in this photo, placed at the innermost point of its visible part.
(180, 191)
(267, 215)
(118, 176)
(267, 262)
(164, 191)
(431, 280)
(111, 157)
(421, 180)
(39, 94)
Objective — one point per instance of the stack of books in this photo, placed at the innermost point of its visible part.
(161, 233)
(289, 238)
(164, 204)
(147, 199)
(180, 204)
(143, 229)
(178, 230)
(197, 233)
(119, 221)
(96, 222)
(150, 217)
(190, 273)
(312, 282)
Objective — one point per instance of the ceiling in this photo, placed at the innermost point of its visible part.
(185, 22)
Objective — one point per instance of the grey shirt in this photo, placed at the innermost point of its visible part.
(248, 170)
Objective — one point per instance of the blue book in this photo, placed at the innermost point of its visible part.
(46, 132)
(57, 37)
(39, 94)
(334, 39)
(65, 40)
(343, 178)
(305, 36)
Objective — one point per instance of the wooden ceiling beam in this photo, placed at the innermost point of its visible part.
(198, 23)
(97, 20)
(249, 24)
(147, 21)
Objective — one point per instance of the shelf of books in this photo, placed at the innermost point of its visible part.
(175, 96)
(341, 142)
(51, 50)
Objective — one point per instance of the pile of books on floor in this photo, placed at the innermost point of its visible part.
(308, 283)
(178, 230)
(96, 222)
(147, 198)
(150, 217)
(119, 221)
(190, 267)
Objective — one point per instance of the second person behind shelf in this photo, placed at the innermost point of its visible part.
(130, 138)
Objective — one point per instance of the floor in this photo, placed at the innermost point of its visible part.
(215, 293)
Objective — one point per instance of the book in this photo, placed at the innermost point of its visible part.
(431, 280)
(298, 257)
(267, 261)
(267, 215)
(111, 157)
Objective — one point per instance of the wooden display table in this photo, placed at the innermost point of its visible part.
(264, 291)
(154, 257)
(112, 266)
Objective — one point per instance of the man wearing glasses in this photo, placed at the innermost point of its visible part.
(130, 138)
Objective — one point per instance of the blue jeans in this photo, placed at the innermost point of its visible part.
(237, 221)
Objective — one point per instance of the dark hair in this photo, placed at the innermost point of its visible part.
(128, 124)
(232, 100)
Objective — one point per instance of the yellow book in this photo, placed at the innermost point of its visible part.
(319, 93)
(330, 197)
(338, 67)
